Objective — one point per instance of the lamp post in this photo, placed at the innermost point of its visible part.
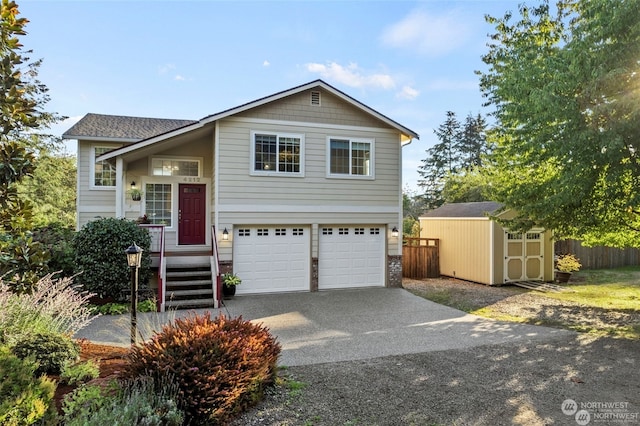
(134, 256)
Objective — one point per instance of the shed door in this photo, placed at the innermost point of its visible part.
(524, 256)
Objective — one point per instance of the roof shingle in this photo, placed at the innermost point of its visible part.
(122, 127)
(477, 209)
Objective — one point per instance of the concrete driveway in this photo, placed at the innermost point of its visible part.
(342, 325)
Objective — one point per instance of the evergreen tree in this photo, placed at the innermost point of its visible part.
(442, 158)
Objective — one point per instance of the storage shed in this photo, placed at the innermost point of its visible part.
(474, 247)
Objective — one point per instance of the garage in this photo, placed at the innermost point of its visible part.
(351, 256)
(272, 259)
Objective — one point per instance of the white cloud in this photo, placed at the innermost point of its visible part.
(178, 77)
(351, 75)
(426, 33)
(408, 92)
(266, 63)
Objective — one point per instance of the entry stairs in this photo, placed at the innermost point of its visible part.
(189, 285)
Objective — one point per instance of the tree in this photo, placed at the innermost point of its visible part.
(22, 97)
(565, 85)
(460, 150)
(441, 159)
(51, 189)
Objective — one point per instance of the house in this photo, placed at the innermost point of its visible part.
(475, 247)
(296, 191)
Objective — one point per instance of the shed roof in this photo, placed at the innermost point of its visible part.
(476, 209)
(122, 128)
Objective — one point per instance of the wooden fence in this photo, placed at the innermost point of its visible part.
(420, 258)
(599, 257)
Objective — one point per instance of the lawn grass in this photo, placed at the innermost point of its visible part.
(604, 288)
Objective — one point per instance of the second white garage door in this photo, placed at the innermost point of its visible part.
(272, 259)
(351, 256)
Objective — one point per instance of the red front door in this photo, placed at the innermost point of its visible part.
(191, 214)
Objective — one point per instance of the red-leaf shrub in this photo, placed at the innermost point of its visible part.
(221, 365)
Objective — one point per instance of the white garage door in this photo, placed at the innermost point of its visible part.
(351, 256)
(272, 259)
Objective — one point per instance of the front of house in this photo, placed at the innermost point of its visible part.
(297, 191)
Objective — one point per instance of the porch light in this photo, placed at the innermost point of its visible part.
(394, 232)
(133, 185)
(225, 234)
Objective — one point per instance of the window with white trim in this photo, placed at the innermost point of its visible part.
(103, 172)
(350, 157)
(175, 167)
(277, 153)
(158, 203)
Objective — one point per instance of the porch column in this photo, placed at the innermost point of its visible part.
(120, 184)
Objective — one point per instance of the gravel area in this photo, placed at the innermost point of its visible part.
(521, 384)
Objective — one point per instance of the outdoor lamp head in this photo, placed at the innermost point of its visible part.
(134, 255)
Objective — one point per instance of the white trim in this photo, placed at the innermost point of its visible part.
(120, 182)
(216, 180)
(174, 158)
(351, 139)
(492, 257)
(278, 135)
(282, 208)
(101, 139)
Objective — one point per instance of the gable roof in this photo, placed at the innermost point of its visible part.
(477, 209)
(407, 133)
(121, 128)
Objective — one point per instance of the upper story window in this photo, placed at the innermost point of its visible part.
(350, 157)
(103, 173)
(277, 153)
(175, 167)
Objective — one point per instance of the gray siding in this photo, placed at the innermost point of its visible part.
(92, 203)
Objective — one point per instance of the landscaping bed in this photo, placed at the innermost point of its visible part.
(110, 360)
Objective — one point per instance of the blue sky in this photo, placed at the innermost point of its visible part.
(410, 60)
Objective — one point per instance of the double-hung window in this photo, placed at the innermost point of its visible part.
(277, 153)
(103, 173)
(350, 157)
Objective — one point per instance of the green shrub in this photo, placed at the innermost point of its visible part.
(137, 402)
(220, 366)
(51, 351)
(24, 398)
(80, 372)
(54, 306)
(58, 240)
(148, 305)
(111, 309)
(99, 248)
(85, 400)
